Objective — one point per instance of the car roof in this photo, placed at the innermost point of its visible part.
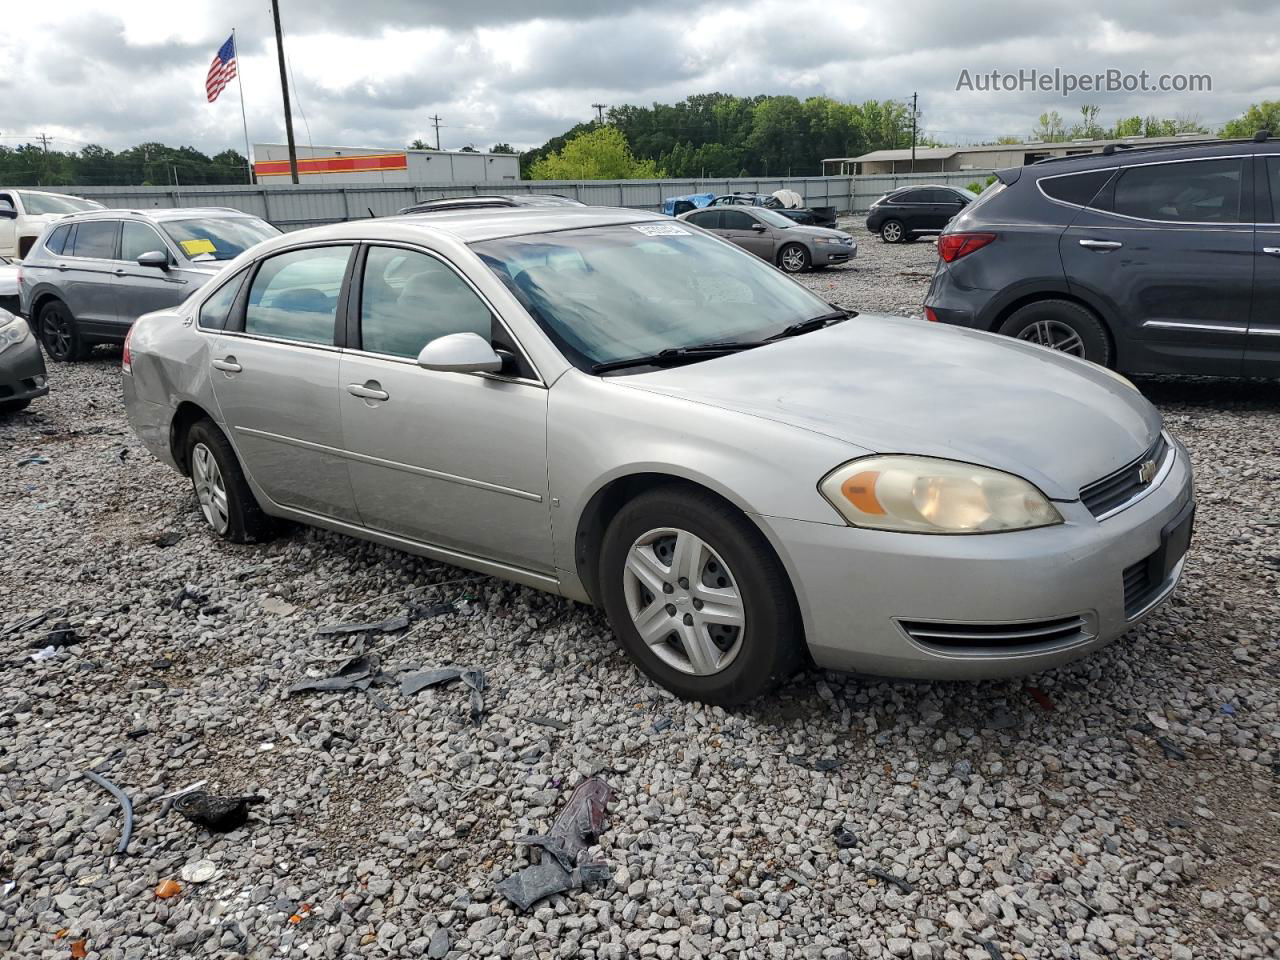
(1159, 153)
(482, 223)
(160, 214)
(46, 193)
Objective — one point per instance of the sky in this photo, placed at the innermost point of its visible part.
(371, 72)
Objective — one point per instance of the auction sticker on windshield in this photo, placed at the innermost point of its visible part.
(660, 230)
(198, 246)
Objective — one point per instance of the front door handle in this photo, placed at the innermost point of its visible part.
(1101, 244)
(120, 271)
(227, 365)
(1271, 251)
(369, 390)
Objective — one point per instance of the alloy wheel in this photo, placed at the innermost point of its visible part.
(210, 489)
(684, 601)
(1055, 335)
(793, 259)
(56, 332)
(891, 232)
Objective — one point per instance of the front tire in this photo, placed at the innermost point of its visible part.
(892, 231)
(794, 258)
(227, 503)
(1061, 325)
(60, 334)
(8, 407)
(697, 597)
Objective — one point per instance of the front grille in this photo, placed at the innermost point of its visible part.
(1116, 489)
(997, 636)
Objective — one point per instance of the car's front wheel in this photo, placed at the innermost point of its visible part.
(1061, 325)
(58, 331)
(793, 258)
(697, 597)
(892, 231)
(227, 503)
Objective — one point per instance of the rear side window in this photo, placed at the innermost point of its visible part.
(216, 311)
(1273, 181)
(1076, 188)
(57, 240)
(1198, 191)
(911, 196)
(96, 239)
(294, 295)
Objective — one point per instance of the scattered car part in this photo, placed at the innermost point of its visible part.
(167, 889)
(125, 804)
(202, 871)
(904, 885)
(217, 813)
(393, 625)
(415, 682)
(358, 673)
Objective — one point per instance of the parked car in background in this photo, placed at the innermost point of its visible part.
(22, 372)
(512, 200)
(92, 274)
(621, 409)
(905, 214)
(807, 216)
(25, 213)
(1155, 260)
(771, 236)
(8, 285)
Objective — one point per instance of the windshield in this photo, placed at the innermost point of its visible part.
(211, 238)
(43, 204)
(772, 218)
(631, 290)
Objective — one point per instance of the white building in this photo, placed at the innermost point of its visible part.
(371, 165)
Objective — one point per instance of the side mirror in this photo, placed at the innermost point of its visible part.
(8, 213)
(154, 258)
(460, 353)
(758, 227)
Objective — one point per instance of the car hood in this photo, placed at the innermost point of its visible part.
(895, 385)
(816, 231)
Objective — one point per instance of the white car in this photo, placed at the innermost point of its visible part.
(25, 213)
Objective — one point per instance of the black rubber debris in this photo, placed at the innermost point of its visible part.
(1171, 750)
(219, 814)
(125, 804)
(393, 625)
(61, 635)
(414, 682)
(170, 538)
(358, 673)
(903, 885)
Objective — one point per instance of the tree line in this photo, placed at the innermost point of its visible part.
(148, 164)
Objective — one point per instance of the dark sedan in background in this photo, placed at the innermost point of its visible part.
(909, 212)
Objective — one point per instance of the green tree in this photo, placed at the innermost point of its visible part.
(1049, 127)
(502, 148)
(1259, 116)
(600, 153)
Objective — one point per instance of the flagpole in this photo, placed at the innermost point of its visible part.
(248, 161)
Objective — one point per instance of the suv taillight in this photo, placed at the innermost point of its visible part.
(953, 246)
(126, 357)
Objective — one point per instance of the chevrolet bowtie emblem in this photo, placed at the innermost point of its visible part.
(1146, 471)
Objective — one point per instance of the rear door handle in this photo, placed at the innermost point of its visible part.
(1101, 244)
(227, 365)
(62, 266)
(1271, 251)
(369, 390)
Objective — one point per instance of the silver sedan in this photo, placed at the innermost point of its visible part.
(626, 411)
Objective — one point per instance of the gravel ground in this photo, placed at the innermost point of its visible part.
(1125, 806)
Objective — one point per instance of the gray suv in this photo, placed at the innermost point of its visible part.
(91, 275)
(1155, 260)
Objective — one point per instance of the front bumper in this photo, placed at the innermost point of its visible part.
(857, 588)
(22, 371)
(825, 255)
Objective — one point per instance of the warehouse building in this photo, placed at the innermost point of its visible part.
(371, 165)
(994, 156)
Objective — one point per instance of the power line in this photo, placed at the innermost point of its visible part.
(435, 122)
(599, 109)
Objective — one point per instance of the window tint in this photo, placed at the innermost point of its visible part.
(1273, 180)
(216, 311)
(1200, 191)
(708, 219)
(57, 239)
(137, 239)
(294, 296)
(911, 196)
(736, 220)
(409, 299)
(96, 238)
(1078, 188)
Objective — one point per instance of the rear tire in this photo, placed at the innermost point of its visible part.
(697, 651)
(1061, 325)
(892, 231)
(13, 406)
(226, 501)
(794, 258)
(60, 334)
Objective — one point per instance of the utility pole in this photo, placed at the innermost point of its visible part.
(284, 92)
(599, 109)
(435, 122)
(915, 98)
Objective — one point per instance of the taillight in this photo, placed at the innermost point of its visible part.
(930, 314)
(126, 358)
(953, 246)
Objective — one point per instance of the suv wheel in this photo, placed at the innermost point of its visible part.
(60, 334)
(220, 485)
(892, 231)
(1061, 325)
(697, 597)
(793, 258)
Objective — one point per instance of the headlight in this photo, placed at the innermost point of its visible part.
(12, 330)
(925, 495)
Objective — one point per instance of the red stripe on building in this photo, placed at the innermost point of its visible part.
(360, 163)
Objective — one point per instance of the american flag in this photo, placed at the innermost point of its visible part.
(223, 69)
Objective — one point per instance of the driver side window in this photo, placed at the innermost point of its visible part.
(409, 299)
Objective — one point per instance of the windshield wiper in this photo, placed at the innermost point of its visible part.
(677, 354)
(813, 323)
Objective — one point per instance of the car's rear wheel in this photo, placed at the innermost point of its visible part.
(1061, 325)
(793, 258)
(58, 331)
(892, 231)
(697, 597)
(227, 503)
(13, 406)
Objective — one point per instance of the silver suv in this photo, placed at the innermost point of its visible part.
(92, 274)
